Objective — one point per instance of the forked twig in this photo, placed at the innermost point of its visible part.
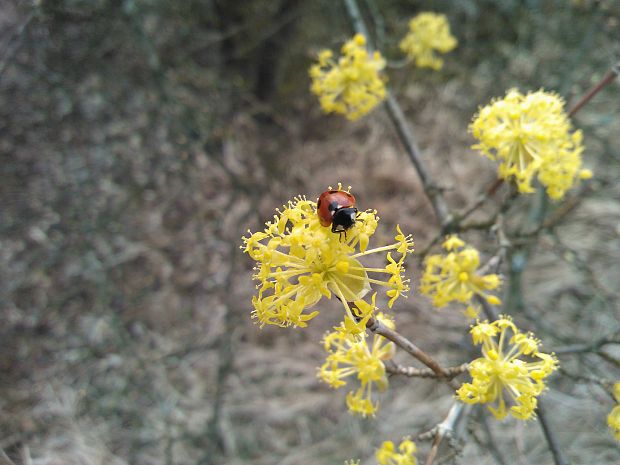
(401, 341)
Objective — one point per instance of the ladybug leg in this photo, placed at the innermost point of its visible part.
(343, 233)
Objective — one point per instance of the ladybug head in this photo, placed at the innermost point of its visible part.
(343, 219)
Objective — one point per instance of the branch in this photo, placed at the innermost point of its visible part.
(541, 411)
(443, 429)
(379, 328)
(613, 338)
(483, 197)
(15, 42)
(405, 134)
(356, 18)
(492, 446)
(612, 74)
(412, 372)
(605, 384)
(432, 191)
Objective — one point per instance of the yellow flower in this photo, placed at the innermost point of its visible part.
(428, 32)
(500, 371)
(353, 85)
(531, 135)
(350, 355)
(388, 455)
(299, 262)
(453, 276)
(613, 419)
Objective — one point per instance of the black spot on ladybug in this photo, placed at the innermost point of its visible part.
(333, 206)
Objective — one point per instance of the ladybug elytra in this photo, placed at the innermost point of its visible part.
(336, 208)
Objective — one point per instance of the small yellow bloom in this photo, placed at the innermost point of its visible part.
(531, 135)
(428, 32)
(500, 371)
(453, 276)
(299, 262)
(352, 85)
(389, 455)
(350, 355)
(613, 419)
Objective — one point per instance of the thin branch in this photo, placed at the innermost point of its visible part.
(604, 82)
(541, 411)
(378, 22)
(595, 346)
(444, 429)
(492, 446)
(4, 459)
(15, 42)
(397, 116)
(483, 197)
(356, 18)
(605, 384)
(414, 372)
(489, 310)
(433, 192)
(377, 327)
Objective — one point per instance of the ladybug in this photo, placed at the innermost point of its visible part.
(338, 209)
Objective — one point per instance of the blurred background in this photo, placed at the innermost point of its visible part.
(140, 139)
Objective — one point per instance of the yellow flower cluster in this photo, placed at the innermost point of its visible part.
(299, 262)
(453, 276)
(613, 419)
(500, 370)
(350, 355)
(428, 32)
(353, 85)
(388, 454)
(531, 135)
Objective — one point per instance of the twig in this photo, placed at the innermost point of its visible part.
(433, 192)
(605, 384)
(487, 194)
(378, 22)
(488, 309)
(413, 372)
(377, 327)
(4, 459)
(444, 429)
(541, 411)
(356, 18)
(604, 82)
(613, 338)
(15, 42)
(405, 134)
(492, 446)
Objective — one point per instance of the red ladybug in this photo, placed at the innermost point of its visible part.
(338, 209)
